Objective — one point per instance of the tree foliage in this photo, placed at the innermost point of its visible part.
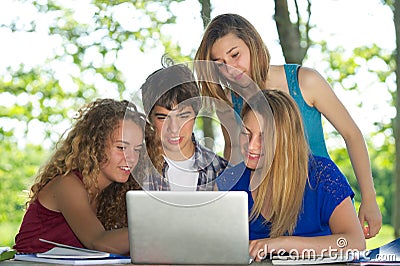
(41, 99)
(86, 57)
(396, 124)
(341, 72)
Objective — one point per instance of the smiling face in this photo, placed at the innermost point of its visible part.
(122, 152)
(175, 129)
(251, 140)
(232, 56)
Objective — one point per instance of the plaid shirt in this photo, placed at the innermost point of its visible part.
(209, 166)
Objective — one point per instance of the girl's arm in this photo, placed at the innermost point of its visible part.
(318, 93)
(346, 236)
(72, 200)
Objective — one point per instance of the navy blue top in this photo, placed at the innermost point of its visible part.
(311, 116)
(326, 188)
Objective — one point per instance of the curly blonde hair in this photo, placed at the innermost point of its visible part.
(111, 207)
(83, 148)
(155, 150)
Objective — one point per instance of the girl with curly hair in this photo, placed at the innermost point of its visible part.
(97, 159)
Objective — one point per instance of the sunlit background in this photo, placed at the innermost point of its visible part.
(339, 23)
(343, 23)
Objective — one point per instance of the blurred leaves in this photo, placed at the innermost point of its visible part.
(17, 168)
(44, 97)
(40, 100)
(341, 69)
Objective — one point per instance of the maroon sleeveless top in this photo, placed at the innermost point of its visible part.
(40, 222)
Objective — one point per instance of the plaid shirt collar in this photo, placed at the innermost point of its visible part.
(209, 166)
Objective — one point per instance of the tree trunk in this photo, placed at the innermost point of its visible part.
(294, 43)
(207, 121)
(396, 126)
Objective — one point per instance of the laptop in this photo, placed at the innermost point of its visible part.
(180, 227)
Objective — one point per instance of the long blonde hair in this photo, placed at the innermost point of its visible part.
(283, 184)
(210, 79)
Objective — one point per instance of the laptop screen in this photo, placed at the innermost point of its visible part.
(179, 227)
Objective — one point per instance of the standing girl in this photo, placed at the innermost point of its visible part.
(242, 63)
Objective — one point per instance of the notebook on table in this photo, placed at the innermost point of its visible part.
(178, 227)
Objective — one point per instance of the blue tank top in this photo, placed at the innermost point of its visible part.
(311, 116)
(237, 103)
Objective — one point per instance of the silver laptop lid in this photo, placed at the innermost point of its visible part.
(177, 227)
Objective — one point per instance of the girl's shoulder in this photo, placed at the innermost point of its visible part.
(310, 78)
(325, 175)
(61, 188)
(72, 178)
(322, 168)
(234, 178)
(69, 184)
